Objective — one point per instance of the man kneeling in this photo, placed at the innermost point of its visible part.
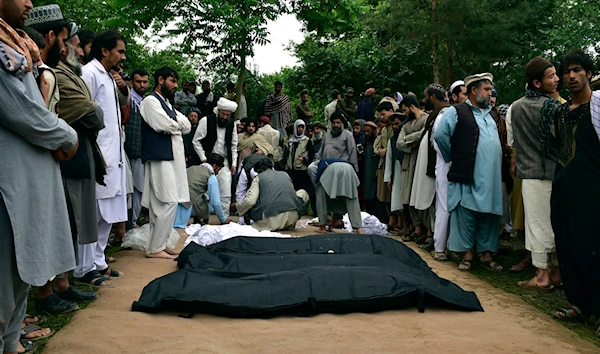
(337, 192)
(204, 189)
(271, 202)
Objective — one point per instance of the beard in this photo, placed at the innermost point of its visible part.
(317, 136)
(72, 60)
(168, 94)
(222, 123)
(428, 105)
(53, 57)
(483, 101)
(336, 131)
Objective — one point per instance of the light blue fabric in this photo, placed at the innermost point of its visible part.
(485, 194)
(183, 216)
(470, 229)
(214, 198)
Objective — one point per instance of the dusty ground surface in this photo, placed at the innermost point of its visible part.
(508, 325)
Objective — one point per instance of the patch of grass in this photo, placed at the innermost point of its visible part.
(512, 252)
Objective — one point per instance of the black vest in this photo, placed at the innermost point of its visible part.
(208, 143)
(464, 146)
(157, 146)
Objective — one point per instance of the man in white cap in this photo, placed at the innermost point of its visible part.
(458, 92)
(216, 133)
(467, 135)
(165, 182)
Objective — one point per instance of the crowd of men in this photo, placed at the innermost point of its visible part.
(84, 148)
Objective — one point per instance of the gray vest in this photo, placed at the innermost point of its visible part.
(277, 195)
(198, 184)
(526, 117)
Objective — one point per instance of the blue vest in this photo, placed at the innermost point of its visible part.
(157, 146)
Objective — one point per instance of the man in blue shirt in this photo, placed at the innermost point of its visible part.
(468, 136)
(204, 189)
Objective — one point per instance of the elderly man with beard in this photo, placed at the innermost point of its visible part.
(165, 182)
(250, 142)
(468, 136)
(32, 249)
(216, 133)
(87, 166)
(301, 154)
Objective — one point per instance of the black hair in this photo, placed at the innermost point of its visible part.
(439, 95)
(477, 84)
(252, 120)
(278, 83)
(216, 159)
(335, 93)
(55, 26)
(289, 129)
(578, 57)
(396, 116)
(230, 85)
(410, 100)
(164, 72)
(205, 82)
(385, 106)
(139, 72)
(263, 165)
(338, 115)
(35, 36)
(303, 92)
(244, 120)
(457, 90)
(387, 92)
(85, 37)
(107, 39)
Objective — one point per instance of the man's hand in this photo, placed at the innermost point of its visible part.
(513, 167)
(228, 221)
(232, 170)
(45, 89)
(233, 207)
(118, 79)
(62, 155)
(382, 152)
(389, 185)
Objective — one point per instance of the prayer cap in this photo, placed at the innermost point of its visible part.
(436, 87)
(371, 124)
(192, 109)
(535, 67)
(265, 119)
(43, 15)
(226, 105)
(478, 77)
(456, 84)
(318, 124)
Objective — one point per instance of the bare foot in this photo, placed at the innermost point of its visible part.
(36, 334)
(322, 229)
(171, 251)
(360, 231)
(161, 255)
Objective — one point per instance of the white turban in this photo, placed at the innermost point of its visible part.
(225, 105)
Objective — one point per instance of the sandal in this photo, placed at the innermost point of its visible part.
(28, 345)
(527, 284)
(33, 328)
(492, 266)
(93, 279)
(110, 259)
(428, 245)
(572, 314)
(38, 319)
(465, 265)
(111, 273)
(439, 256)
(406, 238)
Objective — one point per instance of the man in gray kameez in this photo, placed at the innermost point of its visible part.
(32, 249)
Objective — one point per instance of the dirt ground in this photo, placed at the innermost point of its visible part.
(508, 325)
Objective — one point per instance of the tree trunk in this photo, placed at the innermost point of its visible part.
(436, 48)
(239, 87)
(450, 68)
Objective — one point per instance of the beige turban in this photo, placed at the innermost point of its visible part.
(478, 77)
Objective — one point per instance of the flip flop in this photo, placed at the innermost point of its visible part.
(492, 266)
(33, 328)
(40, 319)
(111, 273)
(466, 264)
(93, 279)
(28, 345)
(567, 314)
(525, 284)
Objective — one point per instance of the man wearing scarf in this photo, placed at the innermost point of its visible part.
(217, 133)
(165, 183)
(385, 111)
(408, 142)
(266, 130)
(536, 169)
(278, 108)
(133, 140)
(300, 156)
(32, 250)
(250, 142)
(393, 167)
(575, 190)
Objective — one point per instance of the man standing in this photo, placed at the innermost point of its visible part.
(393, 168)
(86, 38)
(467, 135)
(458, 92)
(331, 107)
(243, 110)
(534, 168)
(32, 250)
(133, 140)
(370, 161)
(108, 51)
(319, 130)
(347, 106)
(207, 100)
(366, 107)
(278, 108)
(216, 133)
(271, 202)
(165, 184)
(266, 130)
(385, 111)
(301, 154)
(186, 98)
(302, 110)
(191, 158)
(575, 190)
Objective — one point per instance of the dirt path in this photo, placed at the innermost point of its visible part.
(508, 325)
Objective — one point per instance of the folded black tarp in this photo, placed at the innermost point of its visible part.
(264, 277)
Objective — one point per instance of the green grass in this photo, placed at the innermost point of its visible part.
(512, 252)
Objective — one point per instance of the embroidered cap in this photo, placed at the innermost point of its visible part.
(478, 77)
(43, 15)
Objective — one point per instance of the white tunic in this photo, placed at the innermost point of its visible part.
(166, 179)
(396, 204)
(112, 199)
(219, 147)
(441, 166)
(423, 188)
